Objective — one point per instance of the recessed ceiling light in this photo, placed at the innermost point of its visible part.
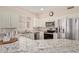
(42, 9)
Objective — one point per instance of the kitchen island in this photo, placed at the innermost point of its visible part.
(51, 46)
(27, 45)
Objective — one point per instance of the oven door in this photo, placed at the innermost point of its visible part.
(48, 36)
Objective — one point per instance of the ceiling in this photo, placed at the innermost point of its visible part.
(58, 10)
(36, 9)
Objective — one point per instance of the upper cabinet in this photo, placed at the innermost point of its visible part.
(25, 22)
(14, 20)
(8, 20)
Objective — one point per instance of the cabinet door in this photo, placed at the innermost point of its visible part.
(14, 21)
(29, 22)
(22, 23)
(8, 20)
(4, 21)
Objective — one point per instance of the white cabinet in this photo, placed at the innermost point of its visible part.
(8, 20)
(25, 23)
(14, 21)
